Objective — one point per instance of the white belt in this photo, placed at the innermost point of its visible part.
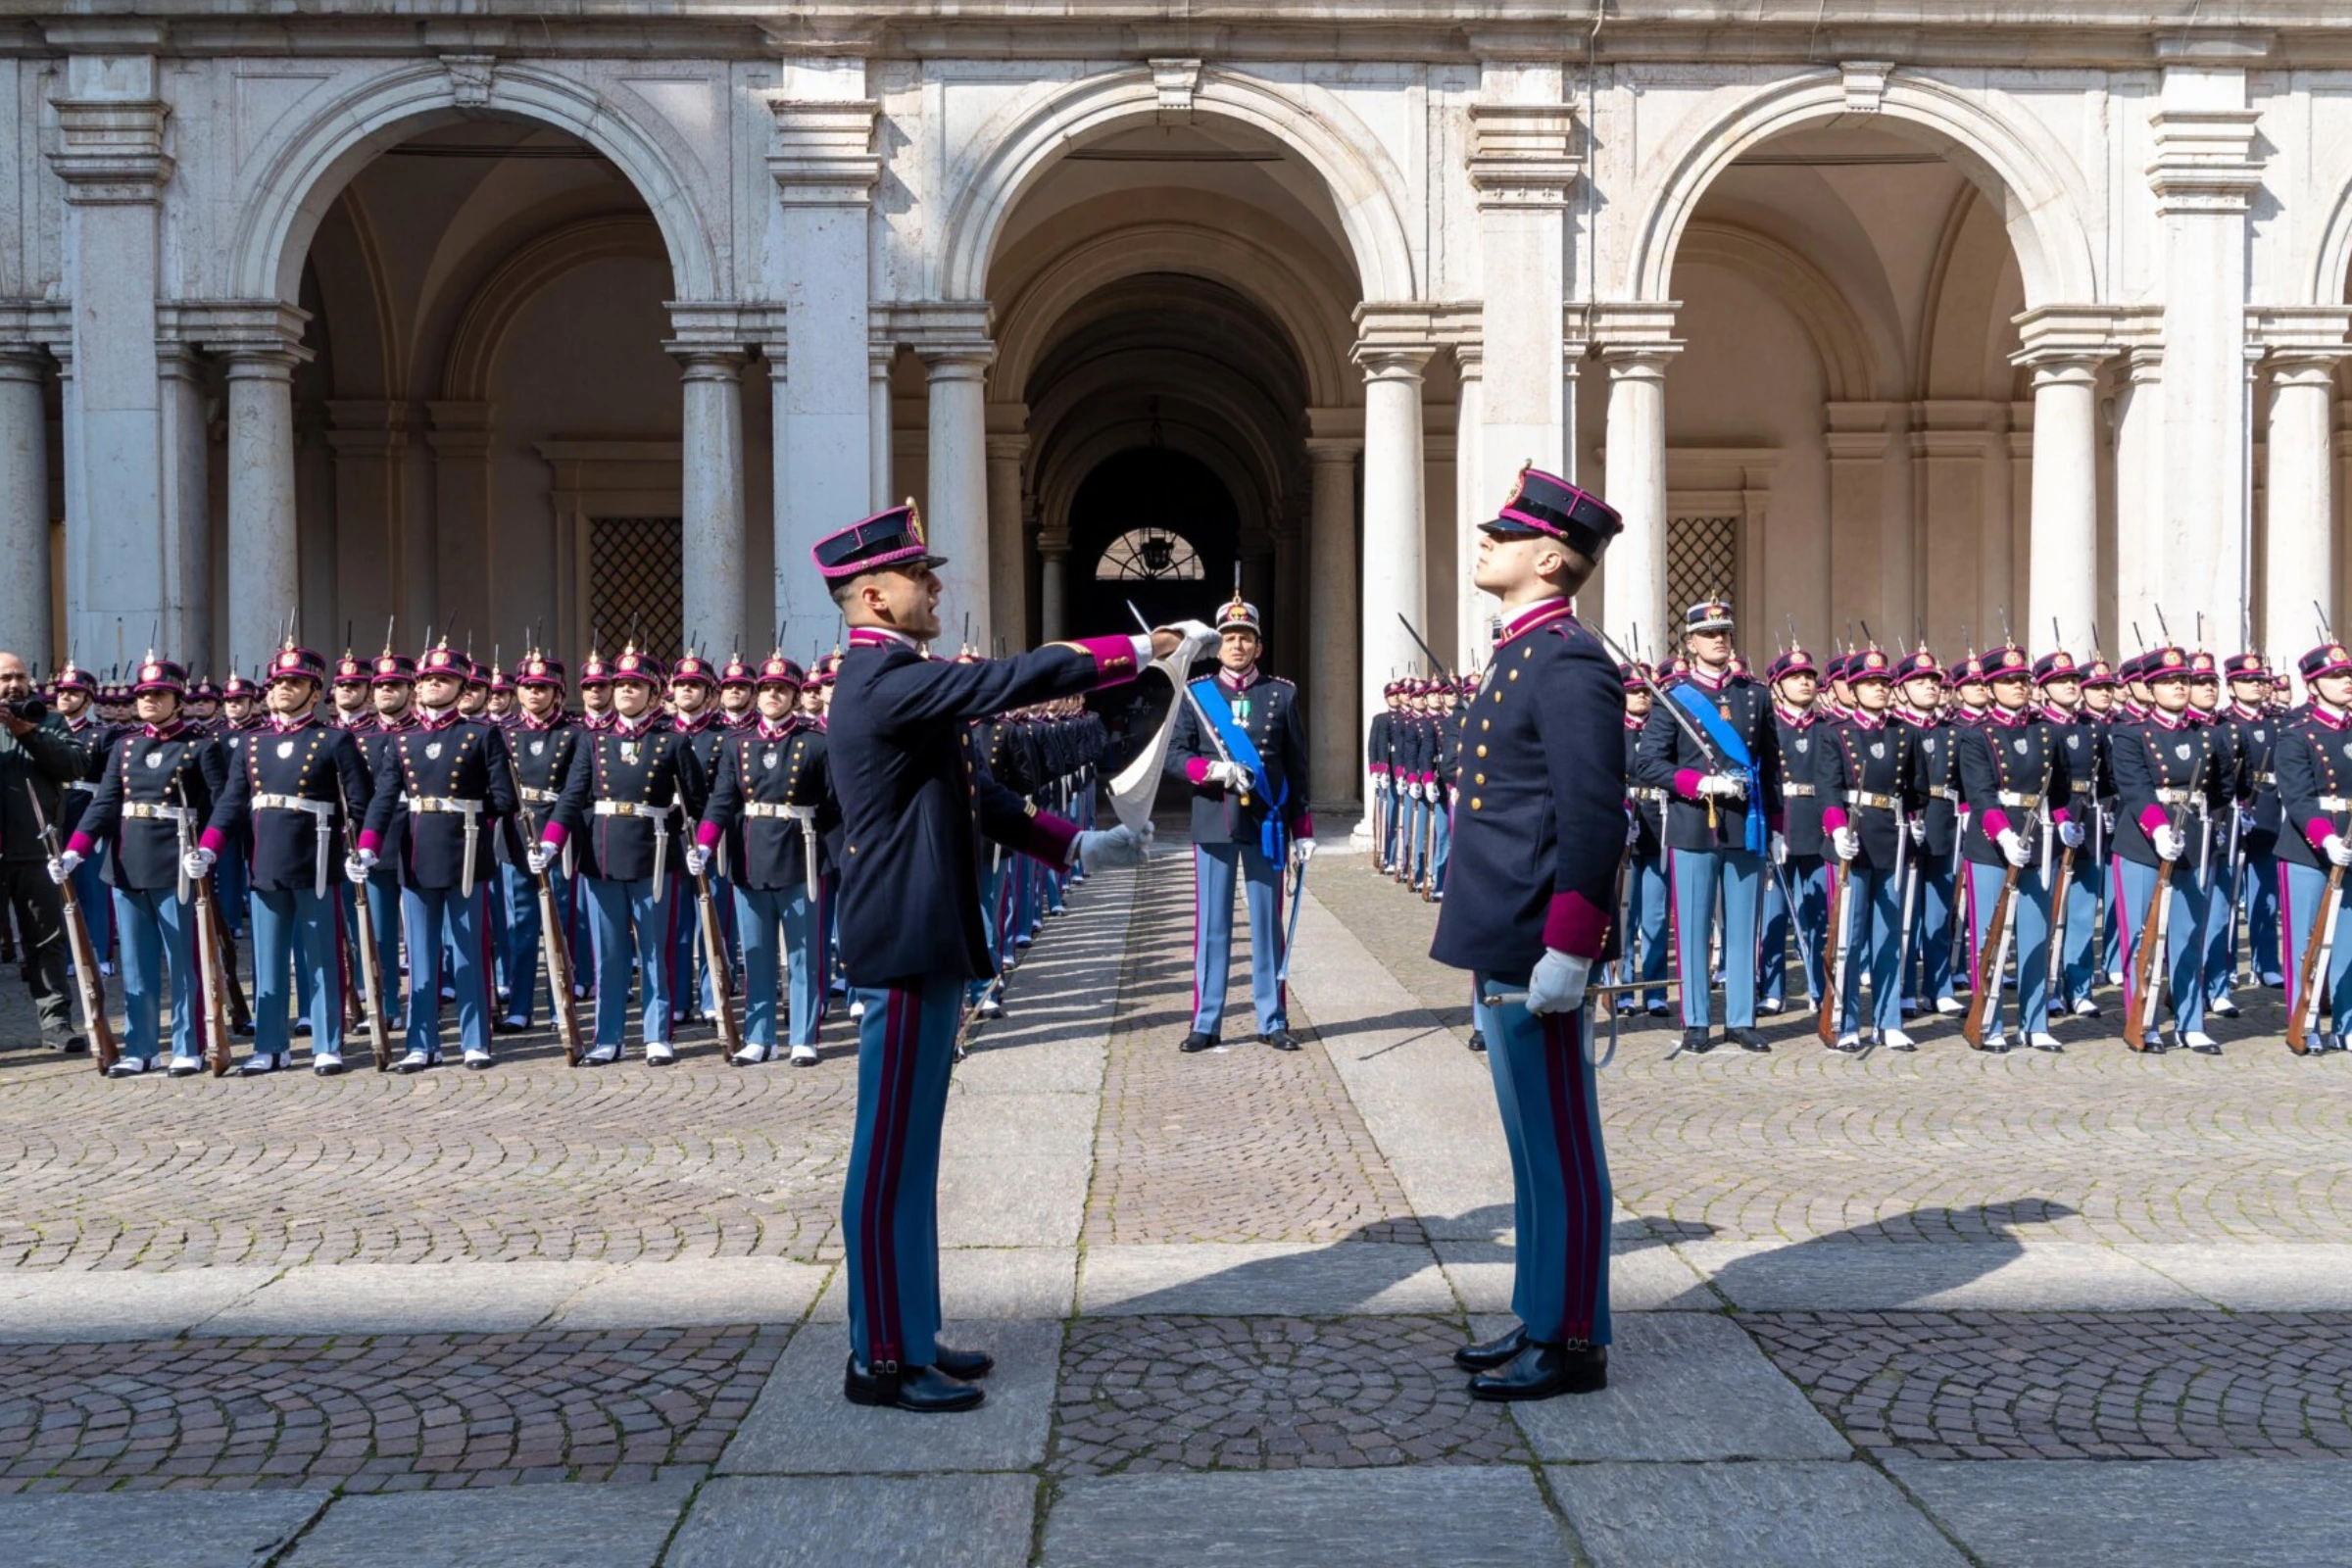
(78, 787)
(1945, 792)
(659, 816)
(1643, 793)
(2181, 797)
(159, 813)
(633, 809)
(454, 806)
(763, 809)
(1796, 792)
(1883, 802)
(2335, 802)
(2024, 802)
(534, 796)
(324, 811)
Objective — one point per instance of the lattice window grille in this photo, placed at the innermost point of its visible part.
(1702, 561)
(636, 579)
(1150, 555)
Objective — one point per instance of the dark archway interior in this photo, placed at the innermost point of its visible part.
(1156, 489)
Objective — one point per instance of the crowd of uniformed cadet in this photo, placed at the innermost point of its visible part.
(443, 788)
(1917, 787)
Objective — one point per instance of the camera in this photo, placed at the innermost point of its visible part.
(32, 710)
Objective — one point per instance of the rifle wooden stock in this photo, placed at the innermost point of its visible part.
(557, 952)
(1833, 989)
(2144, 971)
(2312, 976)
(2066, 875)
(722, 974)
(1986, 983)
(380, 1036)
(224, 948)
(87, 983)
(210, 980)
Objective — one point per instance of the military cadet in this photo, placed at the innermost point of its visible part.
(441, 785)
(1927, 981)
(1380, 760)
(695, 715)
(596, 692)
(911, 931)
(392, 690)
(158, 786)
(1240, 743)
(1534, 865)
(738, 707)
(203, 704)
(2059, 681)
(1867, 770)
(1797, 899)
(294, 792)
(2313, 759)
(1720, 822)
(2169, 791)
(1643, 950)
(501, 706)
(629, 801)
(2102, 707)
(2014, 777)
(474, 696)
(540, 744)
(237, 718)
(772, 804)
(2254, 866)
(1447, 751)
(91, 736)
(348, 692)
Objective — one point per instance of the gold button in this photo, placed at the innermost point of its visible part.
(1485, 723)
(1515, 674)
(1477, 778)
(1474, 804)
(1482, 750)
(1528, 653)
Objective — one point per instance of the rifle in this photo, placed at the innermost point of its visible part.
(2154, 929)
(1992, 957)
(1840, 929)
(2317, 950)
(557, 952)
(80, 948)
(240, 1013)
(362, 929)
(212, 988)
(722, 974)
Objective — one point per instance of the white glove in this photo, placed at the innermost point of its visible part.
(1848, 842)
(1232, 776)
(2168, 841)
(1302, 850)
(1114, 847)
(1919, 829)
(1558, 983)
(1780, 849)
(1728, 785)
(2070, 834)
(2013, 847)
(62, 866)
(539, 856)
(2339, 853)
(697, 861)
(2245, 819)
(198, 863)
(357, 865)
(1199, 641)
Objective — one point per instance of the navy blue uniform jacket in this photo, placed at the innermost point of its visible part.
(310, 761)
(1539, 827)
(450, 759)
(1268, 710)
(179, 767)
(915, 807)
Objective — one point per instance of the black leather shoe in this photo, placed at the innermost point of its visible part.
(1280, 1040)
(1494, 1354)
(73, 1046)
(923, 1388)
(1695, 1042)
(1539, 1371)
(1196, 1040)
(964, 1366)
(1748, 1040)
(1478, 1039)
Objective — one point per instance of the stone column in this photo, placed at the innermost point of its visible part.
(2138, 497)
(1472, 506)
(108, 153)
(712, 455)
(877, 416)
(25, 620)
(264, 553)
(1053, 585)
(1394, 581)
(1334, 720)
(957, 518)
(2299, 533)
(1007, 550)
(824, 170)
(185, 549)
(374, 577)
(1634, 581)
(470, 587)
(2204, 173)
(2063, 556)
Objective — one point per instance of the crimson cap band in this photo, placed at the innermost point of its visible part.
(161, 675)
(2329, 659)
(889, 538)
(1546, 504)
(1239, 614)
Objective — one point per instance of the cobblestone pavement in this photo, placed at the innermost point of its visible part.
(1268, 1393)
(1241, 1145)
(1946, 1145)
(392, 1414)
(2074, 1385)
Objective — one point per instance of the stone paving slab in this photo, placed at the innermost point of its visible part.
(1643, 1277)
(51, 1306)
(1011, 1123)
(1879, 1276)
(985, 1284)
(1681, 1385)
(1005, 1063)
(803, 1426)
(1012, 1199)
(617, 1526)
(1224, 1278)
(1814, 1514)
(2289, 1277)
(1463, 1518)
(859, 1522)
(717, 1289)
(185, 1529)
(2067, 1513)
(408, 1298)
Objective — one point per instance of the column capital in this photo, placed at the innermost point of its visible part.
(2204, 160)
(2299, 329)
(823, 152)
(1002, 448)
(1396, 338)
(2088, 333)
(1055, 542)
(707, 362)
(110, 150)
(1523, 156)
(236, 330)
(1334, 450)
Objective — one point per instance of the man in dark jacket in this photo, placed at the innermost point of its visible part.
(36, 757)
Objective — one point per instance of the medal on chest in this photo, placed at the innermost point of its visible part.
(155, 759)
(285, 748)
(630, 750)
(538, 748)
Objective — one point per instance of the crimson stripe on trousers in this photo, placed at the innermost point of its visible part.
(867, 1224)
(2122, 915)
(2286, 940)
(1563, 1063)
(900, 1054)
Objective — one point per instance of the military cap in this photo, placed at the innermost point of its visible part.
(72, 677)
(2098, 672)
(693, 669)
(442, 660)
(393, 669)
(537, 670)
(237, 686)
(892, 537)
(738, 673)
(2243, 666)
(297, 664)
(204, 691)
(1548, 505)
(595, 671)
(350, 668)
(1869, 664)
(2006, 663)
(777, 670)
(1794, 661)
(1971, 671)
(2164, 663)
(2202, 668)
(1920, 664)
(2329, 659)
(1708, 614)
(160, 675)
(632, 665)
(2057, 665)
(1239, 614)
(499, 681)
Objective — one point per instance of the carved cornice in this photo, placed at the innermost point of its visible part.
(1523, 154)
(824, 154)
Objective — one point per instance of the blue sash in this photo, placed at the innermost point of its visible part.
(1734, 750)
(1273, 834)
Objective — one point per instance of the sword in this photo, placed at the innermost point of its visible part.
(1290, 927)
(1207, 729)
(805, 815)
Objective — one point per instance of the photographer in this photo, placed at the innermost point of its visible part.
(34, 756)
